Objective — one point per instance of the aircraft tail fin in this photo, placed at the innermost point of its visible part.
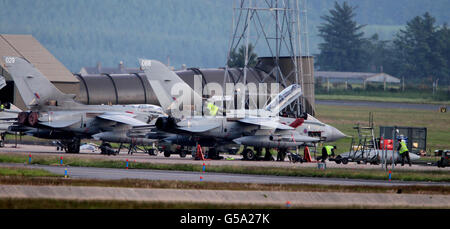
(165, 83)
(33, 86)
(284, 98)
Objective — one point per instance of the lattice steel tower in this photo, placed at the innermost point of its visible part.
(278, 29)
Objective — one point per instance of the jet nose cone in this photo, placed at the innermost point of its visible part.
(334, 134)
(339, 134)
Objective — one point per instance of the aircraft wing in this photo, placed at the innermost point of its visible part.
(59, 124)
(4, 116)
(10, 114)
(122, 119)
(199, 128)
(265, 122)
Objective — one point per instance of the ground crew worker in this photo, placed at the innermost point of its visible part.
(2, 107)
(212, 109)
(327, 151)
(403, 151)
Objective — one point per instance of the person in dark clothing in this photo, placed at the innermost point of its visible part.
(327, 151)
(403, 151)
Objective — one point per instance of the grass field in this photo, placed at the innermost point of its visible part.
(25, 172)
(392, 94)
(375, 98)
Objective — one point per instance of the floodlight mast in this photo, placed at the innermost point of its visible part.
(280, 35)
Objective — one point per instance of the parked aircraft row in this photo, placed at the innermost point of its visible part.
(52, 114)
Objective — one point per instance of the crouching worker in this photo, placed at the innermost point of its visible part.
(327, 151)
(403, 151)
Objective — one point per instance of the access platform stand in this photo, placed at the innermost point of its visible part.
(364, 148)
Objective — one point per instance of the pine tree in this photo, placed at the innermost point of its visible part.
(380, 55)
(342, 49)
(420, 47)
(237, 59)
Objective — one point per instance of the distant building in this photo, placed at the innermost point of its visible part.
(28, 47)
(99, 69)
(120, 69)
(355, 77)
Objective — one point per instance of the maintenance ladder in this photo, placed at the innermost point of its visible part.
(366, 148)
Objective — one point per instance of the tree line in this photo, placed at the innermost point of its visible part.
(196, 33)
(420, 52)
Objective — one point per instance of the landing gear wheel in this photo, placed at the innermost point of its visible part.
(151, 152)
(281, 154)
(344, 161)
(213, 154)
(249, 155)
(73, 146)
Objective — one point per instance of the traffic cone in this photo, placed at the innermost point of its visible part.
(199, 155)
(307, 155)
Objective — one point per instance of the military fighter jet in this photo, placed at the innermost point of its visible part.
(248, 131)
(55, 115)
(8, 116)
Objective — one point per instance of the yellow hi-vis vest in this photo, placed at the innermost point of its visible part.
(329, 148)
(403, 147)
(212, 109)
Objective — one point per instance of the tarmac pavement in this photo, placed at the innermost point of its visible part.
(234, 160)
(296, 199)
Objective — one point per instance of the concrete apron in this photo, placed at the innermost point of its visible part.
(306, 199)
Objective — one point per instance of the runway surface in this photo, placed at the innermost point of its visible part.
(258, 198)
(176, 159)
(300, 199)
(116, 174)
